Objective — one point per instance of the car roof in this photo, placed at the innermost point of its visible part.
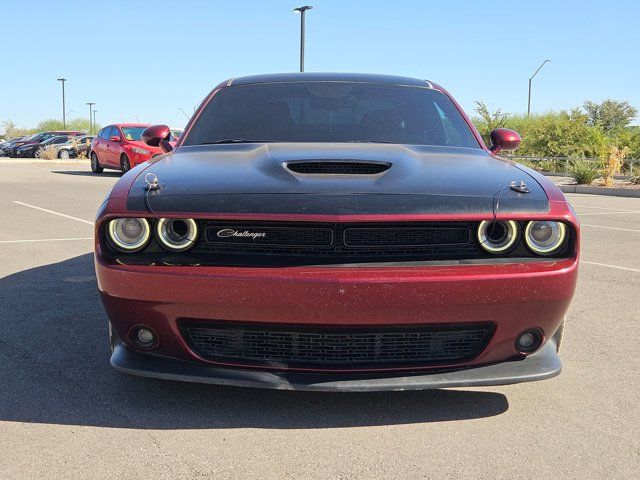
(329, 77)
(128, 125)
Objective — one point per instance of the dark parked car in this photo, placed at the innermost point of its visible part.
(335, 232)
(8, 145)
(35, 150)
(39, 138)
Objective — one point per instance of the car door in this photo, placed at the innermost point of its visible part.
(100, 147)
(57, 142)
(116, 147)
(111, 148)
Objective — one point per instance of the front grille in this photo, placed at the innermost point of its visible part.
(405, 236)
(265, 235)
(338, 168)
(243, 243)
(336, 348)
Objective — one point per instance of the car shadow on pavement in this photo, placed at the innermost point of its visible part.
(54, 369)
(88, 173)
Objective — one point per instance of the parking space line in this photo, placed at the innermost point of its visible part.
(618, 267)
(608, 213)
(610, 228)
(601, 208)
(46, 240)
(53, 213)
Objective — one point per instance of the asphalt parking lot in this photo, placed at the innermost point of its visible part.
(64, 413)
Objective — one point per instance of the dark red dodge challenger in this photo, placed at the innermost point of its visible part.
(338, 232)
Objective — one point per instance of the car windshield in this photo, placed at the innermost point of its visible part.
(133, 133)
(52, 140)
(331, 112)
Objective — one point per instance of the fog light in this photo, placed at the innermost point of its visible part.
(146, 336)
(525, 341)
(529, 341)
(143, 337)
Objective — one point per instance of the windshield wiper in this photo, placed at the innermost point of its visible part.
(233, 140)
(373, 141)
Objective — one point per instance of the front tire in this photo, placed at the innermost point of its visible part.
(113, 338)
(63, 154)
(37, 154)
(125, 164)
(95, 164)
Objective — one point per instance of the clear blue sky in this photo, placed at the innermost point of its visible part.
(144, 60)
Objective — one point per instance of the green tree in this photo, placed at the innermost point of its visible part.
(488, 120)
(610, 115)
(79, 124)
(10, 130)
(559, 134)
(629, 138)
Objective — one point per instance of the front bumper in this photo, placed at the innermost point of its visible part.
(541, 365)
(512, 297)
(25, 153)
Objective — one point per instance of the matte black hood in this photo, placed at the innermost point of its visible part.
(253, 178)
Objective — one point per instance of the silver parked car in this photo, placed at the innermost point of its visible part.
(71, 146)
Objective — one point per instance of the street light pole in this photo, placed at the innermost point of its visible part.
(536, 72)
(91, 104)
(94, 118)
(302, 10)
(64, 116)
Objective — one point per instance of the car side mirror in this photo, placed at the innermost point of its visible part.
(115, 138)
(158, 136)
(504, 139)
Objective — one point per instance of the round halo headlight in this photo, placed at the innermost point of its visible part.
(129, 234)
(497, 236)
(177, 234)
(545, 237)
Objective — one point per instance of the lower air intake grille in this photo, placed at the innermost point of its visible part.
(335, 348)
(338, 168)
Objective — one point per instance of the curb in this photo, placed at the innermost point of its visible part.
(613, 192)
(30, 161)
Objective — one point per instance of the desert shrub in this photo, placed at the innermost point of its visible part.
(613, 164)
(79, 146)
(553, 165)
(48, 153)
(583, 172)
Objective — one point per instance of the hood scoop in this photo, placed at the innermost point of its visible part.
(341, 167)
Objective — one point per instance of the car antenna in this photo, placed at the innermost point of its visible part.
(519, 187)
(152, 184)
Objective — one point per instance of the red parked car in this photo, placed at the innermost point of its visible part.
(335, 232)
(120, 147)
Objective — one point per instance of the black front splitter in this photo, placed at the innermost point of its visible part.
(539, 366)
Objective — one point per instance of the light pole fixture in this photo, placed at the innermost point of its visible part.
(302, 10)
(536, 72)
(91, 104)
(64, 116)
